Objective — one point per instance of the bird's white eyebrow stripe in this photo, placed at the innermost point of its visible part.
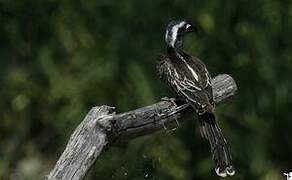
(174, 31)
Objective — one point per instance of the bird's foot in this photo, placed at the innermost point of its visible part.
(171, 100)
(177, 107)
(172, 112)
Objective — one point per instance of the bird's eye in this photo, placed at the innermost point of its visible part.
(187, 26)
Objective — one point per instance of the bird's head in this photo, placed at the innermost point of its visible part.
(175, 31)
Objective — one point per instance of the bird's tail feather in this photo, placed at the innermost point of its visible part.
(219, 147)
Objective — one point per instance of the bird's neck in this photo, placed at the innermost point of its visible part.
(176, 51)
(177, 48)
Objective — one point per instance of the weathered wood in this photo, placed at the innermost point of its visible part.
(101, 127)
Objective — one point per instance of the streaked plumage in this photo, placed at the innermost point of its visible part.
(189, 78)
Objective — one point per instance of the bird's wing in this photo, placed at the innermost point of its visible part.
(163, 67)
(186, 86)
(205, 77)
(193, 93)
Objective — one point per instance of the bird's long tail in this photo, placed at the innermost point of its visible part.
(219, 147)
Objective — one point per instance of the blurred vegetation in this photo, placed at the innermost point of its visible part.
(58, 58)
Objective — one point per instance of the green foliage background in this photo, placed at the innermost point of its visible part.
(58, 58)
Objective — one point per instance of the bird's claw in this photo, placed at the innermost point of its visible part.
(171, 100)
(172, 112)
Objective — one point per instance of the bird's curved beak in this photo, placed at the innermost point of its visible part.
(191, 28)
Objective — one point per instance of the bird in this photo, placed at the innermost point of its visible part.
(188, 76)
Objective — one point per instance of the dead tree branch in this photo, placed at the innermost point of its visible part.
(101, 127)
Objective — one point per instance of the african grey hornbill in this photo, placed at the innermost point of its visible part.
(189, 78)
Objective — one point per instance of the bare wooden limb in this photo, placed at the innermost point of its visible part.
(101, 127)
